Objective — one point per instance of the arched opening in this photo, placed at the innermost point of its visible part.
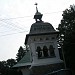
(45, 51)
(51, 50)
(39, 51)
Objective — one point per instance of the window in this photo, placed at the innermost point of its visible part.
(34, 39)
(45, 51)
(51, 50)
(41, 39)
(47, 38)
(39, 51)
(52, 38)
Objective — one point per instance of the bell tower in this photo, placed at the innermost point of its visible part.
(42, 40)
(43, 55)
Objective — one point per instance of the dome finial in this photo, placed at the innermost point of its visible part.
(38, 15)
(36, 7)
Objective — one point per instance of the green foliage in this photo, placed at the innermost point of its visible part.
(67, 36)
(11, 63)
(6, 67)
(67, 24)
(20, 54)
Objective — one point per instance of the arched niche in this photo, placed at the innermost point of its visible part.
(45, 51)
(51, 50)
(39, 51)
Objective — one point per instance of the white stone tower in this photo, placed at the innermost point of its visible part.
(43, 55)
(42, 41)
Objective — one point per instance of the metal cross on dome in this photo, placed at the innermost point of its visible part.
(36, 7)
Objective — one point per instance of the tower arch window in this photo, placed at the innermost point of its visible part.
(41, 39)
(51, 50)
(39, 51)
(47, 38)
(53, 38)
(45, 51)
(34, 39)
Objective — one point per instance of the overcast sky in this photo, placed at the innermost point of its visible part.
(16, 17)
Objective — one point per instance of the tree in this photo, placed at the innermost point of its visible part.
(20, 54)
(67, 24)
(3, 68)
(67, 36)
(11, 62)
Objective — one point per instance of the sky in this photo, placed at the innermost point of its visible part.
(16, 18)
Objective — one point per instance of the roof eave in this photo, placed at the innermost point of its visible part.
(22, 65)
(49, 33)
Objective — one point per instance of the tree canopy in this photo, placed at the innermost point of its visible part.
(67, 36)
(20, 54)
(6, 67)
